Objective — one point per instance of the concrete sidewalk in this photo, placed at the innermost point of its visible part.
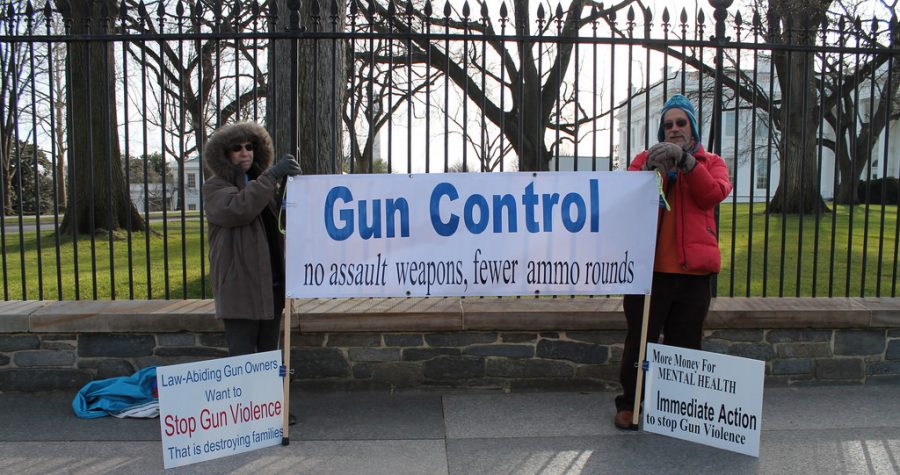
(815, 430)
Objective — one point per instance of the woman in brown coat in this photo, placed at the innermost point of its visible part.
(246, 250)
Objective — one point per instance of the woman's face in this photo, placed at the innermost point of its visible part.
(241, 154)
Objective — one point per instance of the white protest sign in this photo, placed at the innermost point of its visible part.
(470, 234)
(704, 397)
(216, 408)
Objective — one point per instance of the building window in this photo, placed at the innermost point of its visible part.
(729, 120)
(192, 180)
(192, 207)
(762, 175)
(729, 161)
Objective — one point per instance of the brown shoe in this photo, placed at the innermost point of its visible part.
(623, 420)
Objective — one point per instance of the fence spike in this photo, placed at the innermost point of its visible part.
(29, 13)
(293, 7)
(466, 11)
(757, 20)
(806, 24)
(504, 13)
(48, 14)
(665, 17)
(447, 10)
(428, 10)
(161, 12)
(738, 21)
(684, 17)
(236, 13)
(559, 12)
(354, 7)
(484, 12)
(701, 18)
(195, 8)
(630, 16)
(123, 12)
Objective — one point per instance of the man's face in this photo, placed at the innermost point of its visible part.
(677, 128)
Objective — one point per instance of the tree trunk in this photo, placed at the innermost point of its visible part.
(846, 191)
(318, 92)
(798, 188)
(98, 193)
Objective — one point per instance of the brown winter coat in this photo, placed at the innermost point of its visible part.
(239, 252)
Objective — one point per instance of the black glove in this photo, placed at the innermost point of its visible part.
(686, 163)
(662, 157)
(286, 166)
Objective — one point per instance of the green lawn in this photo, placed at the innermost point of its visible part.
(808, 250)
(184, 269)
(181, 268)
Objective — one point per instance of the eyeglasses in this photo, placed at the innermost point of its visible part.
(238, 146)
(679, 122)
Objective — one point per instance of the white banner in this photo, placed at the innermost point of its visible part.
(704, 397)
(470, 234)
(221, 407)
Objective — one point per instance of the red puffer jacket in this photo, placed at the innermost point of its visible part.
(697, 194)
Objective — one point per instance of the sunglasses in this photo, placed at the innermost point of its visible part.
(679, 122)
(237, 147)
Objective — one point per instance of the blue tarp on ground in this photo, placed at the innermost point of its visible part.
(126, 396)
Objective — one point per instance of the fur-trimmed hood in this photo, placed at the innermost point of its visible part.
(215, 155)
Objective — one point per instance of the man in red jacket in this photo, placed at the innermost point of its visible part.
(687, 248)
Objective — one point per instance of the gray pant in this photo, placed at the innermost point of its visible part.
(252, 336)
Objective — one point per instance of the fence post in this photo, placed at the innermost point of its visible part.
(720, 14)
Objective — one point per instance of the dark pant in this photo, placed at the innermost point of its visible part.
(252, 336)
(678, 306)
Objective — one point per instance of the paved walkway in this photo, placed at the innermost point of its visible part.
(814, 430)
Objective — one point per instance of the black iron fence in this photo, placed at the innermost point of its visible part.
(105, 107)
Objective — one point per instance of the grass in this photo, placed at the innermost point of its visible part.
(752, 250)
(154, 254)
(795, 258)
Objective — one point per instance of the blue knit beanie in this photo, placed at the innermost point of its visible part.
(679, 102)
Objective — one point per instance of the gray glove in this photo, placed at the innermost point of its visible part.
(662, 157)
(686, 162)
(286, 166)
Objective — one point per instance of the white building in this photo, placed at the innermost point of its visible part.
(192, 184)
(154, 191)
(585, 163)
(757, 162)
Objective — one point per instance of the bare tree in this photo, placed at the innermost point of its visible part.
(861, 96)
(201, 83)
(378, 86)
(805, 90)
(15, 78)
(532, 73)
